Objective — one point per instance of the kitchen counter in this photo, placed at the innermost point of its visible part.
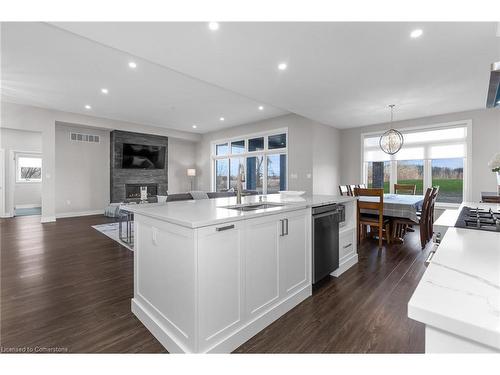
(458, 297)
(205, 212)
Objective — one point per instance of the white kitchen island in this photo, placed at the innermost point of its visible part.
(458, 297)
(208, 278)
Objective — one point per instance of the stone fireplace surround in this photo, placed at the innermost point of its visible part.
(155, 179)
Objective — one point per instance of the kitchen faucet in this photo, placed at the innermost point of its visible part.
(239, 183)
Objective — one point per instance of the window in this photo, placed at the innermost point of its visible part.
(431, 156)
(221, 149)
(448, 174)
(411, 172)
(235, 166)
(237, 147)
(28, 168)
(256, 144)
(255, 173)
(221, 171)
(262, 158)
(276, 167)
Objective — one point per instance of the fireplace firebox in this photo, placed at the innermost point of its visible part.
(133, 191)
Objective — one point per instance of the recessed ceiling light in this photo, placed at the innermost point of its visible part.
(282, 66)
(416, 33)
(222, 119)
(194, 126)
(132, 65)
(213, 26)
(261, 108)
(105, 91)
(87, 106)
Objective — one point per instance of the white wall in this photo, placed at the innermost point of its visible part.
(303, 134)
(22, 117)
(23, 194)
(485, 142)
(82, 172)
(181, 156)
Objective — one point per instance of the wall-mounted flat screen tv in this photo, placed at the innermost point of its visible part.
(143, 156)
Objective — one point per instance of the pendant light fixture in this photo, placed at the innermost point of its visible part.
(392, 140)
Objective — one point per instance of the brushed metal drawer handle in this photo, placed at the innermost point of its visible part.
(227, 227)
(346, 246)
(429, 258)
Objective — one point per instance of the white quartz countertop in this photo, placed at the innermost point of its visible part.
(460, 290)
(204, 212)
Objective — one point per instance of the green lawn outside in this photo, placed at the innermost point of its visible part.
(450, 190)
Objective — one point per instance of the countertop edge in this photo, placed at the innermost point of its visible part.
(453, 326)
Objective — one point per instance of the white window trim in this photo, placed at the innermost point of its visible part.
(467, 190)
(17, 155)
(265, 152)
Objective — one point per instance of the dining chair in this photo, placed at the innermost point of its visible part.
(408, 189)
(423, 220)
(351, 189)
(430, 224)
(375, 220)
(361, 186)
(344, 190)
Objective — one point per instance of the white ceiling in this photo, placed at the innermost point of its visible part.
(341, 74)
(48, 67)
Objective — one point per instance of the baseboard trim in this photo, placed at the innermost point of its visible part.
(158, 330)
(79, 213)
(6, 215)
(345, 265)
(34, 205)
(47, 219)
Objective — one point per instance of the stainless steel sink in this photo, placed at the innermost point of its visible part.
(253, 206)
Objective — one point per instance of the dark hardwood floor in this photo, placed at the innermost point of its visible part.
(66, 287)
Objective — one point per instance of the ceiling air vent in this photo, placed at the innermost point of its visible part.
(90, 138)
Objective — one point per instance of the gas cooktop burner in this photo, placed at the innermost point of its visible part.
(481, 219)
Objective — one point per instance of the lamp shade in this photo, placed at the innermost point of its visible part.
(191, 172)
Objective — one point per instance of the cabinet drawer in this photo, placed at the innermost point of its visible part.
(347, 243)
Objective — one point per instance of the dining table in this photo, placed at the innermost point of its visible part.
(397, 206)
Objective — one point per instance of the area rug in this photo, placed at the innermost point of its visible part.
(111, 230)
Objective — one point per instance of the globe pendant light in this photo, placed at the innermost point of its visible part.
(392, 140)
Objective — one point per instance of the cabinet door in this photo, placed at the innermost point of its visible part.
(261, 263)
(294, 253)
(219, 281)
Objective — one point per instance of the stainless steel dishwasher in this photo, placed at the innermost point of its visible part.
(325, 241)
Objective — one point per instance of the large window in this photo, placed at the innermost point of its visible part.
(262, 158)
(28, 168)
(411, 172)
(434, 156)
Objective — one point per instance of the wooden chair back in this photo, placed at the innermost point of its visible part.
(379, 205)
(351, 189)
(430, 219)
(344, 190)
(361, 186)
(405, 189)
